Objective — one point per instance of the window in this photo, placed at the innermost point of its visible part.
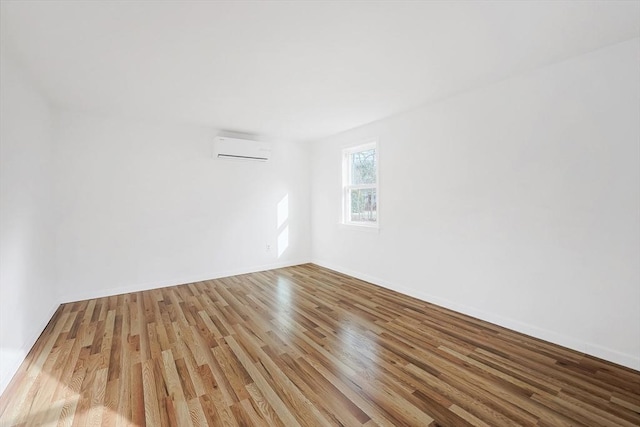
(360, 185)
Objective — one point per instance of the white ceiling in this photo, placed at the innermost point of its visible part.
(295, 70)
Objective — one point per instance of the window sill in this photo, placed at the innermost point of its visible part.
(359, 227)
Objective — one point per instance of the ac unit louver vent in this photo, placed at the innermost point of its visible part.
(241, 149)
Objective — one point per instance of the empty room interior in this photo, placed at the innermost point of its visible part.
(309, 213)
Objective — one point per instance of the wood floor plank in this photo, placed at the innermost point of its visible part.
(302, 346)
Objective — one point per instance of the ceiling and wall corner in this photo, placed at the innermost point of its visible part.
(292, 70)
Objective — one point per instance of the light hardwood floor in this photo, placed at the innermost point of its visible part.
(302, 346)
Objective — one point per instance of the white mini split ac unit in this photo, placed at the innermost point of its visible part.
(241, 149)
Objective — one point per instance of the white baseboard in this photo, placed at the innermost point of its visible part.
(12, 358)
(595, 350)
(99, 293)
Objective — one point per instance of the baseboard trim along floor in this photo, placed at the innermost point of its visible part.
(307, 346)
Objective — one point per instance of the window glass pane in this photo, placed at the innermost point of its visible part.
(363, 167)
(364, 205)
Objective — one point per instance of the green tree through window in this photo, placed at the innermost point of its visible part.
(361, 185)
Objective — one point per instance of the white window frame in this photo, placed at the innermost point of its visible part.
(347, 186)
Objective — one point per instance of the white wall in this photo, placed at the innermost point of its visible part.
(142, 205)
(517, 203)
(27, 272)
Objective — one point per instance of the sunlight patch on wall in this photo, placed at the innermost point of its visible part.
(283, 210)
(283, 224)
